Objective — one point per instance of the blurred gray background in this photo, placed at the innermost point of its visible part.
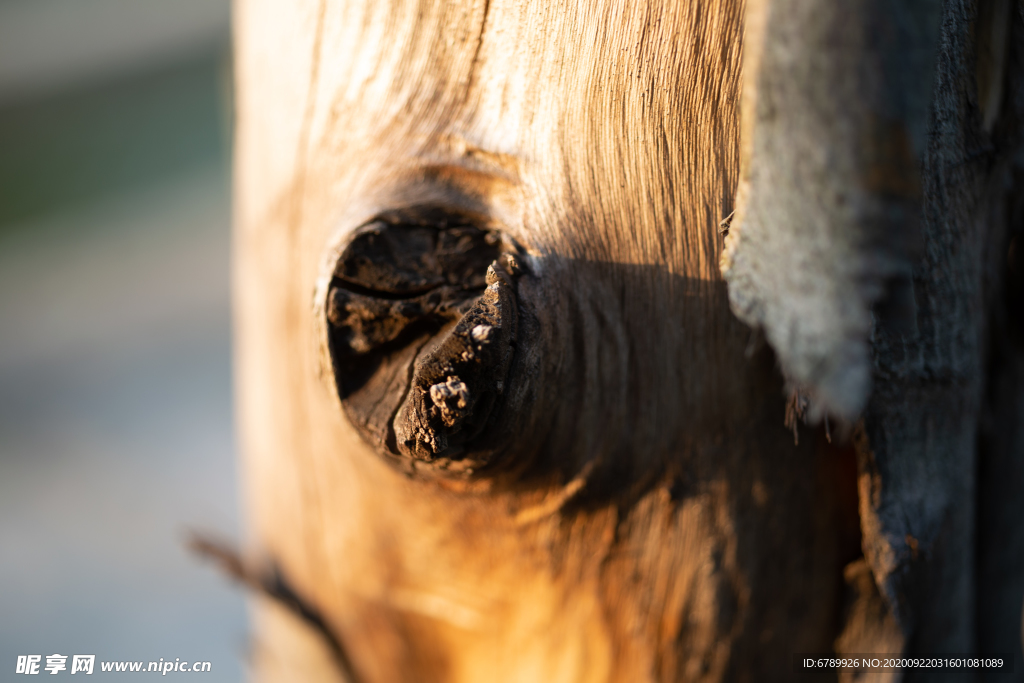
(115, 369)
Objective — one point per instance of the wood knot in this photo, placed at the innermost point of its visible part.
(423, 317)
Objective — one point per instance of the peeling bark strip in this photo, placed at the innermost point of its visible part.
(836, 97)
(498, 420)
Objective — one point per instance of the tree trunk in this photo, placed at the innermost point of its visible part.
(500, 413)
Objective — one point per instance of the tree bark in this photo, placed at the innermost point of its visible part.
(500, 413)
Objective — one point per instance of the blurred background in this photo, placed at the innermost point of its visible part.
(115, 366)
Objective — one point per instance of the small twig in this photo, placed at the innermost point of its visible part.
(272, 585)
(796, 408)
(725, 224)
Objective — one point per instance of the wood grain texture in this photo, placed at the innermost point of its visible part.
(603, 138)
(657, 522)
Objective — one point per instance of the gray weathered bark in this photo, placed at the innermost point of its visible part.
(872, 307)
